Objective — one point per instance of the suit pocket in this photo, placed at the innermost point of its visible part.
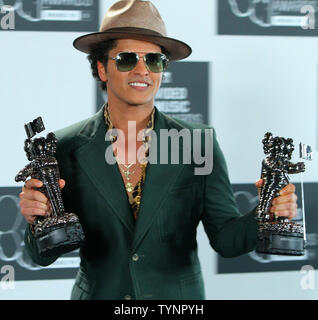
(176, 219)
(192, 287)
(81, 289)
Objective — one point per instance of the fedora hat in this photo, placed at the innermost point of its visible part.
(134, 19)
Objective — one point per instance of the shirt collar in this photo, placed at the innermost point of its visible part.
(110, 126)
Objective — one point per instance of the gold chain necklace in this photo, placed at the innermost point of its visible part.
(129, 186)
(143, 165)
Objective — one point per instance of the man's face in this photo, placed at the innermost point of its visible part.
(122, 87)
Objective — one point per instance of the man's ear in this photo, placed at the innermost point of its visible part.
(101, 71)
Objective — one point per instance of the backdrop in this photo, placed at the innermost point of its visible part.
(253, 70)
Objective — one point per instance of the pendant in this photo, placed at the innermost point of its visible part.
(127, 172)
(129, 187)
(137, 199)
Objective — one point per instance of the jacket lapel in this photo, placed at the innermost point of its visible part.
(159, 179)
(106, 177)
(108, 181)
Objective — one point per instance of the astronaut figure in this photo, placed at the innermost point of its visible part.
(58, 232)
(275, 169)
(44, 167)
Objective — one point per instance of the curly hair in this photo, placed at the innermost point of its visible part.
(101, 54)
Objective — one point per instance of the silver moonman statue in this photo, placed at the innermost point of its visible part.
(60, 232)
(277, 235)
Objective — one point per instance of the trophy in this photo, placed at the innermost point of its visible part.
(59, 232)
(278, 235)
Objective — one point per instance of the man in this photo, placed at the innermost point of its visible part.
(140, 218)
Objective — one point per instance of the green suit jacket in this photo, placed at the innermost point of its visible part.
(156, 256)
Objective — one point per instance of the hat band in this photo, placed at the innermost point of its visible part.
(133, 30)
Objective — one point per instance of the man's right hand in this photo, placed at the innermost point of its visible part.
(34, 203)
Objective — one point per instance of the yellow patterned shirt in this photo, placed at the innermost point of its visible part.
(134, 197)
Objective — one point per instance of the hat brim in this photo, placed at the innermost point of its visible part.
(177, 49)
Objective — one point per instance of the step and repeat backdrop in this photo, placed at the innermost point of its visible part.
(232, 81)
(279, 18)
(50, 15)
(272, 17)
(38, 17)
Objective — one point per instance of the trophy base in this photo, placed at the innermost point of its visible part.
(59, 238)
(281, 243)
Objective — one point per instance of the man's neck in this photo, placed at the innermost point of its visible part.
(120, 115)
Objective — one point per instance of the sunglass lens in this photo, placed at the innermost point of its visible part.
(156, 62)
(126, 61)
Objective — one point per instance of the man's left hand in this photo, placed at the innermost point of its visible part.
(285, 205)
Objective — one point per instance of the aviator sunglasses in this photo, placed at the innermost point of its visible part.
(155, 62)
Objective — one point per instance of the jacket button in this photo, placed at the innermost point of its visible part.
(135, 257)
(127, 297)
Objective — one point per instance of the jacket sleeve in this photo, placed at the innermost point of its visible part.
(230, 233)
